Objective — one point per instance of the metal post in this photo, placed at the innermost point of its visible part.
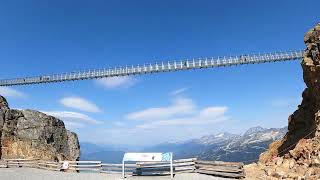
(123, 174)
(171, 166)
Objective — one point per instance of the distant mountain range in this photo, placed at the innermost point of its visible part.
(104, 153)
(222, 146)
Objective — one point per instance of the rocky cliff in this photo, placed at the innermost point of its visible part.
(297, 155)
(32, 134)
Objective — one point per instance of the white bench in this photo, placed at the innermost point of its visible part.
(148, 157)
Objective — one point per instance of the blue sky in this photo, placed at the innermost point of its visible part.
(44, 37)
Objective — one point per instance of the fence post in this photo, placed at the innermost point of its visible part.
(123, 166)
(171, 167)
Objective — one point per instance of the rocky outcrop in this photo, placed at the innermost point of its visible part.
(304, 122)
(32, 134)
(297, 155)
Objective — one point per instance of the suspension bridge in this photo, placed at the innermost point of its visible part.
(157, 68)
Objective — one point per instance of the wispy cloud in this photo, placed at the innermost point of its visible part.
(80, 104)
(209, 115)
(203, 122)
(178, 91)
(180, 106)
(119, 124)
(180, 120)
(116, 82)
(73, 125)
(182, 111)
(10, 92)
(74, 118)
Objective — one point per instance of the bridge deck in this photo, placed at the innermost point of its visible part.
(156, 68)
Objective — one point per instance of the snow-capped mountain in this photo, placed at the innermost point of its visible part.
(245, 147)
(225, 146)
(222, 146)
(214, 139)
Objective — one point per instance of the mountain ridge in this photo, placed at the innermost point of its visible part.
(220, 146)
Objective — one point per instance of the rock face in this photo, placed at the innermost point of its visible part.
(297, 155)
(32, 134)
(304, 122)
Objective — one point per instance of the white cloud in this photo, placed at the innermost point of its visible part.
(73, 117)
(80, 104)
(212, 112)
(116, 82)
(73, 125)
(182, 111)
(209, 115)
(178, 91)
(10, 92)
(180, 120)
(180, 106)
(119, 124)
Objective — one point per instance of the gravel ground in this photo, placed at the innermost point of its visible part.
(38, 174)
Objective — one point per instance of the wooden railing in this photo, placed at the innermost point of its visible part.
(219, 168)
(117, 168)
(192, 165)
(161, 168)
(48, 165)
(85, 166)
(19, 163)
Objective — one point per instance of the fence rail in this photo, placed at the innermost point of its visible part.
(157, 68)
(192, 165)
(218, 168)
(117, 168)
(163, 168)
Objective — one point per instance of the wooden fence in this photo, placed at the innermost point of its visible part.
(192, 165)
(85, 166)
(163, 168)
(117, 168)
(48, 165)
(219, 168)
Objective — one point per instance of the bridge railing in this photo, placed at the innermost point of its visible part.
(157, 67)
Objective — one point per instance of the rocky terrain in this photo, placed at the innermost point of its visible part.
(297, 155)
(32, 134)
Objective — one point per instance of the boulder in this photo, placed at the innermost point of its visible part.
(31, 134)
